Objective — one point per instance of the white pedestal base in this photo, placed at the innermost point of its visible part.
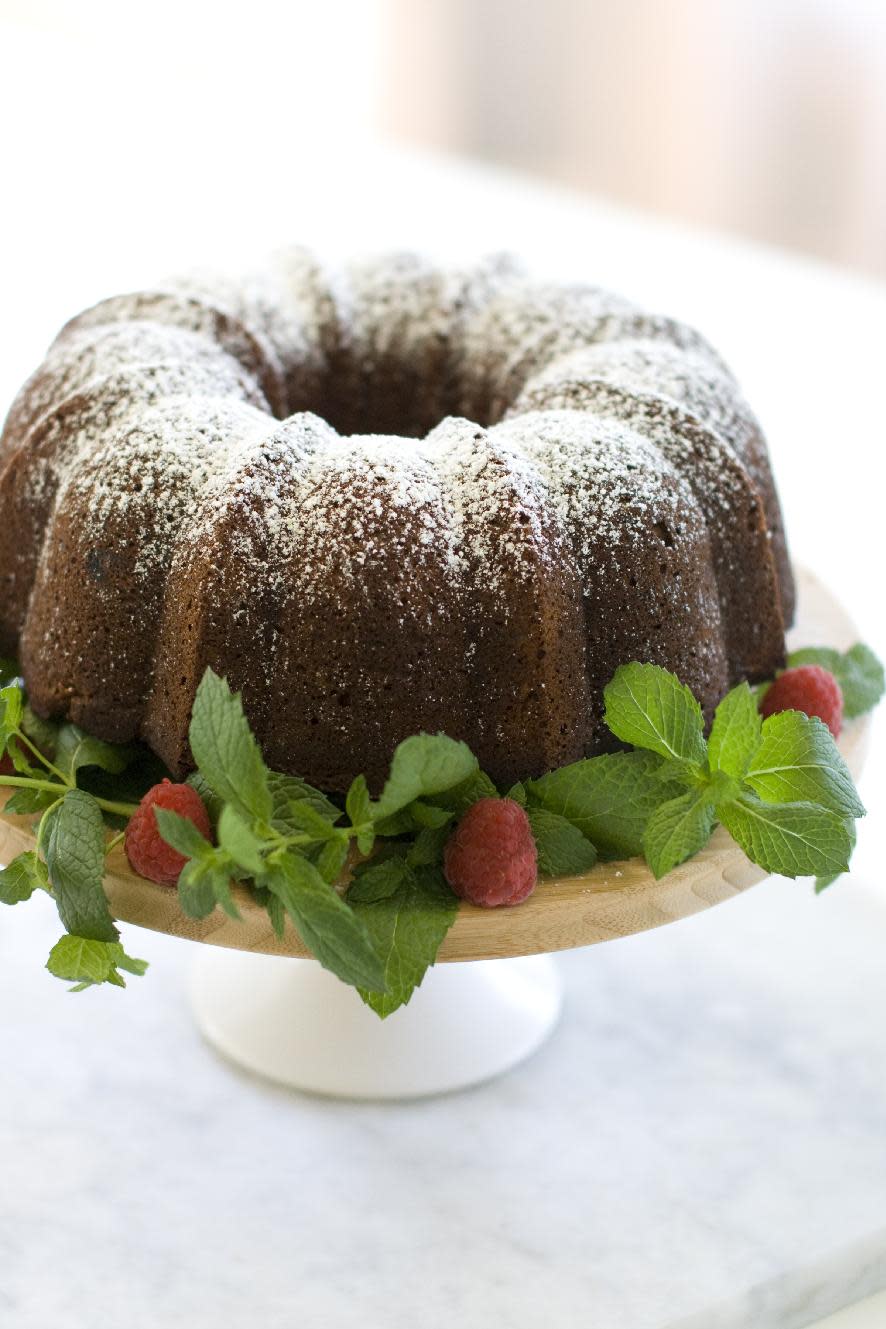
(295, 1023)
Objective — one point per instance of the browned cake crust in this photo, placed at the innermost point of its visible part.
(380, 500)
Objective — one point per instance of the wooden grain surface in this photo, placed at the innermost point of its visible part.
(612, 900)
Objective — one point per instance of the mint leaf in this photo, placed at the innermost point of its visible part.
(25, 802)
(407, 913)
(25, 874)
(562, 849)
(427, 847)
(239, 842)
(75, 861)
(211, 801)
(822, 882)
(609, 798)
(792, 839)
(460, 797)
(11, 708)
(75, 749)
(86, 962)
(286, 789)
(798, 762)
(304, 817)
(424, 765)
(181, 834)
(858, 671)
(358, 803)
(226, 751)
(204, 883)
(677, 830)
(42, 733)
(735, 733)
(332, 858)
(650, 708)
(328, 927)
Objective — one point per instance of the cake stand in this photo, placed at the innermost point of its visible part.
(494, 995)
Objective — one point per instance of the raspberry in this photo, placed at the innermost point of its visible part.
(490, 858)
(810, 689)
(149, 855)
(6, 766)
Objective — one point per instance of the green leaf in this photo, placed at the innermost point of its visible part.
(650, 708)
(211, 801)
(358, 803)
(461, 796)
(8, 669)
(75, 749)
(11, 709)
(86, 962)
(226, 751)
(822, 883)
(422, 766)
(75, 860)
(427, 847)
(377, 880)
(407, 913)
(332, 858)
(304, 817)
(200, 885)
(238, 841)
(609, 798)
(798, 762)
(563, 851)
(25, 802)
(286, 789)
(677, 830)
(735, 733)
(329, 928)
(42, 733)
(517, 794)
(181, 834)
(858, 671)
(792, 839)
(25, 874)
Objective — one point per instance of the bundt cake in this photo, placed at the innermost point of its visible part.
(382, 499)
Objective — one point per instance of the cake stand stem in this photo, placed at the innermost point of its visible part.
(293, 1022)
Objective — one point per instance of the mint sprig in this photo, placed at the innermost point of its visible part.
(779, 786)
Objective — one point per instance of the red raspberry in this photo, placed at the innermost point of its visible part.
(6, 766)
(490, 858)
(809, 689)
(149, 855)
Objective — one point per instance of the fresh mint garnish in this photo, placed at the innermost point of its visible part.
(563, 851)
(75, 861)
(797, 761)
(86, 962)
(651, 709)
(335, 934)
(676, 830)
(422, 766)
(735, 733)
(22, 878)
(858, 671)
(609, 798)
(792, 839)
(226, 751)
(407, 912)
